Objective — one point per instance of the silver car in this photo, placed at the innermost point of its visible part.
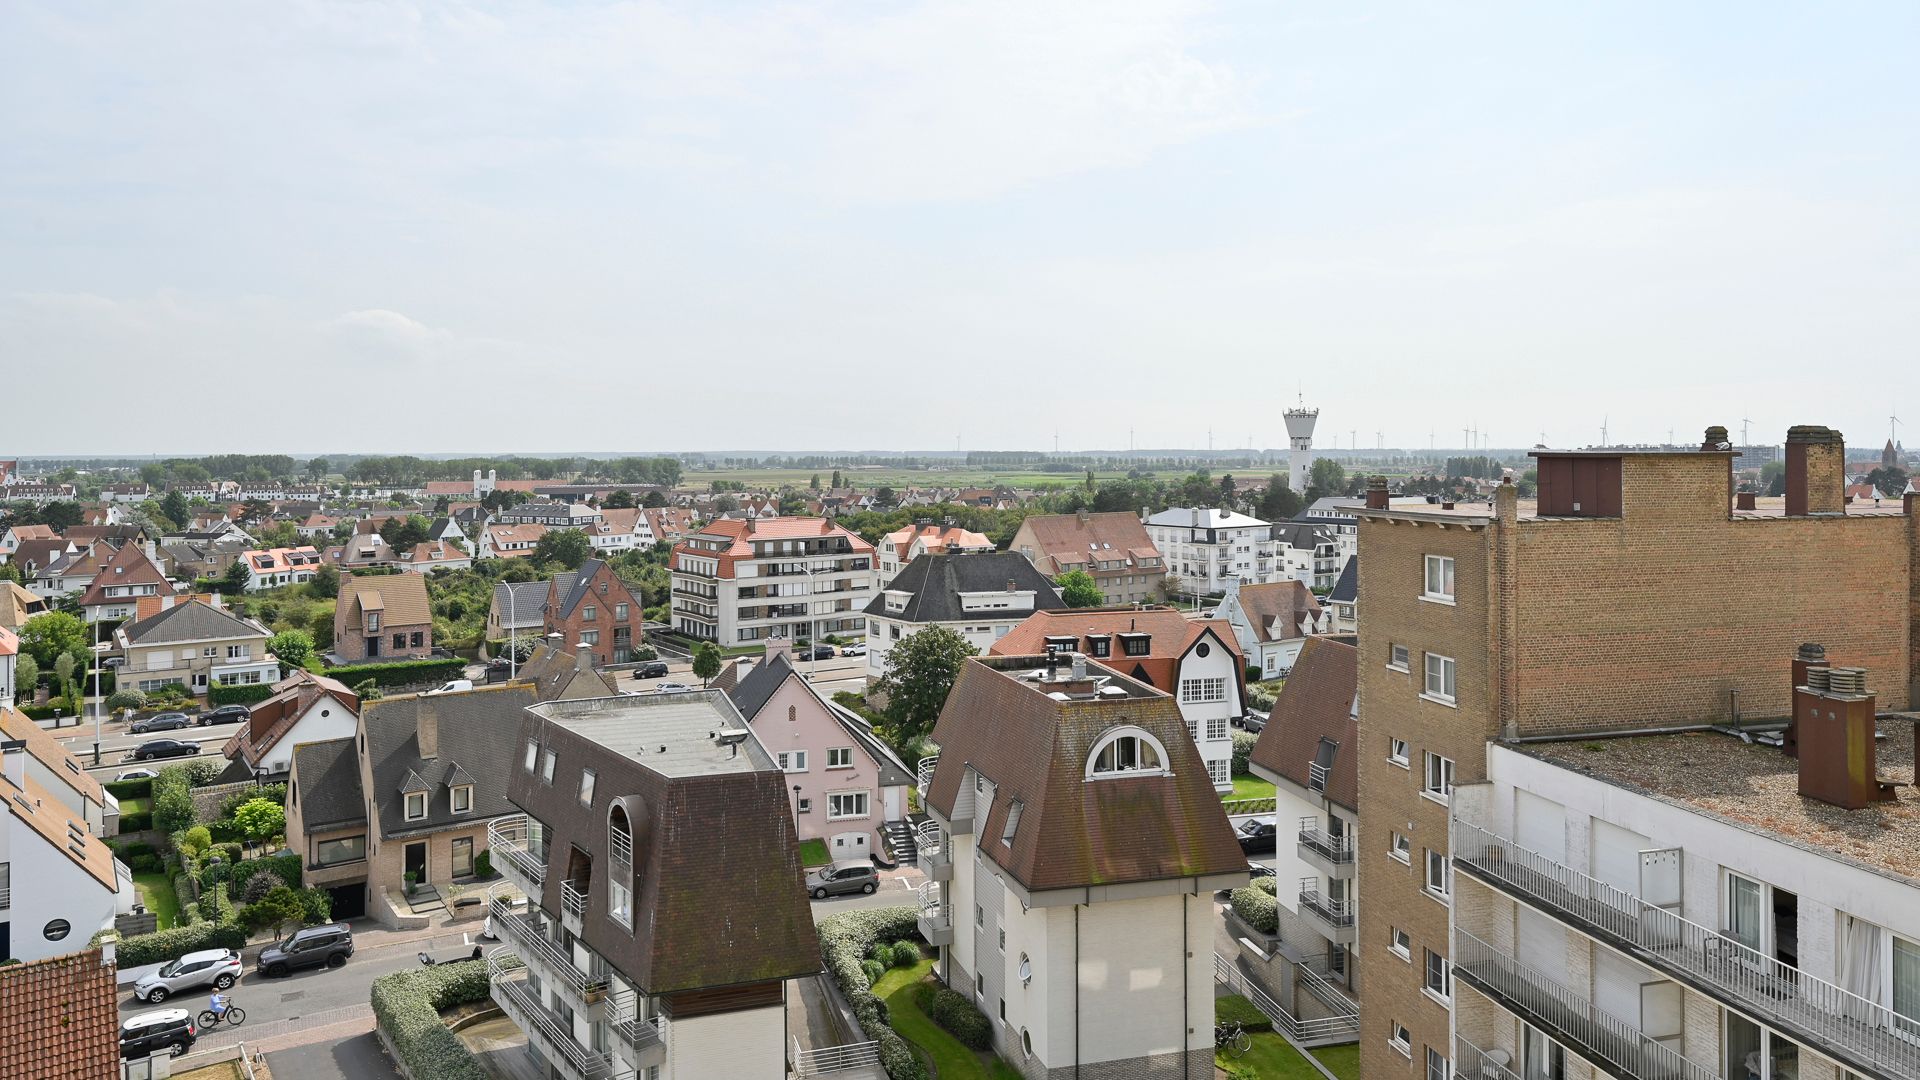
(218, 968)
(843, 877)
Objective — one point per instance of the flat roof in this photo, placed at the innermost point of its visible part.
(1758, 787)
(674, 734)
(1031, 672)
(1481, 510)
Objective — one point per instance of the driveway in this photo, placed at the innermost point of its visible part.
(358, 1058)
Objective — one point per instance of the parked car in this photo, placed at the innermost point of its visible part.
(457, 686)
(225, 714)
(135, 774)
(159, 748)
(671, 688)
(316, 945)
(1258, 836)
(149, 1033)
(859, 649)
(1253, 721)
(817, 652)
(166, 721)
(651, 669)
(843, 877)
(218, 968)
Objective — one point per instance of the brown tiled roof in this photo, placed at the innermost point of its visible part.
(272, 718)
(42, 811)
(1171, 635)
(1317, 703)
(60, 1019)
(42, 745)
(742, 533)
(557, 675)
(1289, 601)
(1075, 832)
(128, 566)
(402, 597)
(17, 605)
(1110, 535)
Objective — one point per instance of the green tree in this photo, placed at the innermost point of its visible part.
(260, 819)
(654, 500)
(1326, 477)
(617, 500)
(175, 509)
(10, 572)
(1278, 502)
(706, 661)
(276, 911)
(814, 483)
(26, 675)
(725, 504)
(256, 510)
(837, 481)
(1773, 477)
(237, 576)
(1078, 589)
(325, 582)
(884, 496)
(1888, 480)
(920, 672)
(568, 547)
(47, 635)
(317, 469)
(293, 648)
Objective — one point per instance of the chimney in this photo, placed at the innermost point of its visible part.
(1836, 733)
(1743, 500)
(427, 715)
(109, 948)
(1816, 471)
(1079, 666)
(1376, 493)
(1807, 659)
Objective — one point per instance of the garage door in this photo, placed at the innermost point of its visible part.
(1540, 825)
(1543, 945)
(849, 845)
(349, 901)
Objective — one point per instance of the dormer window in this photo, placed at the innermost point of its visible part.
(373, 622)
(462, 796)
(1127, 751)
(1100, 646)
(1136, 644)
(416, 805)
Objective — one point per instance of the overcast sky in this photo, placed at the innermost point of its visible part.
(303, 226)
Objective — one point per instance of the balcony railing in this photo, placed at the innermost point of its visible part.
(1316, 776)
(639, 1032)
(620, 848)
(573, 898)
(831, 1059)
(1334, 849)
(1338, 912)
(528, 939)
(925, 773)
(553, 1035)
(6, 898)
(1471, 1061)
(1568, 1018)
(1812, 1011)
(512, 837)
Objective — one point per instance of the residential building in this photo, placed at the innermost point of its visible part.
(382, 617)
(36, 554)
(1336, 515)
(517, 610)
(317, 525)
(980, 597)
(9, 658)
(1114, 548)
(69, 572)
(669, 523)
(554, 515)
(1197, 661)
(59, 883)
(17, 605)
(1205, 548)
(509, 541)
(1309, 751)
(117, 589)
(1307, 553)
(327, 821)
(126, 493)
(620, 530)
(846, 784)
(595, 613)
(60, 1016)
(304, 708)
(273, 567)
(201, 559)
(1072, 850)
(624, 967)
(432, 555)
(901, 546)
(60, 773)
(1580, 617)
(1272, 621)
(362, 551)
(556, 674)
(14, 535)
(193, 644)
(1343, 600)
(742, 581)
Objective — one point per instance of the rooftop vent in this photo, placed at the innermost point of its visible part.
(1833, 719)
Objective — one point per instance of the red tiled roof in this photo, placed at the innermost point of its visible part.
(128, 566)
(1316, 703)
(272, 718)
(1171, 634)
(60, 1019)
(742, 533)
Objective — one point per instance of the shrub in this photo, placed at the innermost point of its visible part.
(189, 914)
(217, 904)
(407, 1007)
(318, 905)
(1236, 1009)
(238, 695)
(276, 910)
(183, 886)
(959, 1017)
(905, 954)
(259, 884)
(873, 969)
(130, 789)
(273, 793)
(844, 941)
(164, 945)
(1257, 909)
(1242, 750)
(286, 865)
(126, 699)
(196, 839)
(140, 821)
(483, 864)
(1268, 884)
(147, 863)
(229, 852)
(173, 799)
(399, 672)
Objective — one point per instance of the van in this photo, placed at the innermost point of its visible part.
(454, 687)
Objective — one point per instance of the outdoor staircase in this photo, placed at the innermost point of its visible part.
(897, 838)
(426, 900)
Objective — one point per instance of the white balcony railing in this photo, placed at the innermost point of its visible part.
(620, 848)
(1471, 1061)
(573, 897)
(639, 1032)
(530, 939)
(926, 837)
(511, 837)
(832, 1059)
(1335, 849)
(552, 1034)
(932, 908)
(925, 774)
(1316, 776)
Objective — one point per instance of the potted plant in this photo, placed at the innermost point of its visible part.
(410, 879)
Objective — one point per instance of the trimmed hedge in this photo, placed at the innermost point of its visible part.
(1257, 908)
(238, 695)
(164, 945)
(958, 1016)
(183, 890)
(130, 789)
(41, 712)
(844, 941)
(400, 672)
(286, 864)
(1242, 751)
(1232, 1008)
(407, 1007)
(140, 821)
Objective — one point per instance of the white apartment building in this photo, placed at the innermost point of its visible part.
(744, 581)
(59, 882)
(1205, 547)
(980, 597)
(1071, 854)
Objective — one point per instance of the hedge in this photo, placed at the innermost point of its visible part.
(130, 789)
(286, 864)
(1232, 1008)
(243, 694)
(1257, 908)
(42, 712)
(183, 889)
(400, 672)
(139, 821)
(844, 941)
(958, 1016)
(1242, 751)
(273, 793)
(407, 1007)
(164, 945)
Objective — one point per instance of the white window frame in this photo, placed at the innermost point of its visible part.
(1399, 658)
(410, 800)
(792, 761)
(1445, 994)
(803, 805)
(863, 800)
(460, 798)
(588, 779)
(839, 757)
(533, 755)
(1397, 753)
(1216, 728)
(1442, 892)
(1443, 671)
(1213, 688)
(1437, 585)
(1436, 779)
(1400, 849)
(1400, 944)
(1400, 1038)
(1144, 738)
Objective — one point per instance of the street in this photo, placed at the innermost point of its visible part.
(116, 744)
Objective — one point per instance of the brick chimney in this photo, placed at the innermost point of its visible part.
(1816, 471)
(427, 718)
(1834, 714)
(1376, 493)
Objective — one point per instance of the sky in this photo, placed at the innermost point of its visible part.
(544, 227)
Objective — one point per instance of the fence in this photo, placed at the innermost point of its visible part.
(1341, 1027)
(830, 1059)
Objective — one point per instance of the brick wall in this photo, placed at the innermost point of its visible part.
(608, 592)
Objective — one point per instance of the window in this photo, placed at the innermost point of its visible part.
(1192, 690)
(546, 766)
(587, 777)
(1136, 644)
(1397, 657)
(803, 806)
(1439, 578)
(1439, 877)
(1402, 945)
(1003, 939)
(238, 652)
(416, 805)
(792, 760)
(1401, 1039)
(1220, 772)
(1126, 750)
(399, 641)
(1012, 824)
(373, 622)
(1100, 647)
(533, 754)
(846, 804)
(1439, 978)
(840, 757)
(417, 639)
(1397, 752)
(620, 902)
(590, 637)
(1439, 779)
(1906, 984)
(462, 798)
(1402, 849)
(979, 915)
(1438, 1067)
(1746, 900)
(1216, 727)
(462, 852)
(325, 853)
(589, 613)
(620, 612)
(1440, 678)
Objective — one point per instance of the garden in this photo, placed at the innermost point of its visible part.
(1271, 1057)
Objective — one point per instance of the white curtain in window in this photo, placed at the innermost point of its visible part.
(1743, 911)
(1863, 950)
(1906, 984)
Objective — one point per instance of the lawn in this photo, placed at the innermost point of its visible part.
(1248, 786)
(1273, 1058)
(1342, 1061)
(157, 893)
(135, 806)
(951, 1059)
(814, 852)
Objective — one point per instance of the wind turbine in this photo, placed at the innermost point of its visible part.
(1744, 441)
(1893, 428)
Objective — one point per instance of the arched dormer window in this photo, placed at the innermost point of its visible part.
(620, 869)
(1126, 751)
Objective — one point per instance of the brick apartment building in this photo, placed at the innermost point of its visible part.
(1638, 592)
(382, 617)
(595, 613)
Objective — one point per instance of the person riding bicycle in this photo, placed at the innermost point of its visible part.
(218, 1004)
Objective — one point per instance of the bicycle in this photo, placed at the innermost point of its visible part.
(221, 1010)
(1229, 1036)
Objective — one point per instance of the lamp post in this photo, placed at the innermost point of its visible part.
(96, 692)
(796, 808)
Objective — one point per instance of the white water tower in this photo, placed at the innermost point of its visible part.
(1300, 420)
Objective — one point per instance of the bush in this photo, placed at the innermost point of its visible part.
(213, 873)
(286, 865)
(189, 914)
(229, 852)
(407, 1007)
(140, 821)
(130, 789)
(317, 905)
(483, 865)
(1242, 750)
(962, 1020)
(1269, 885)
(399, 672)
(126, 699)
(905, 954)
(238, 695)
(183, 889)
(259, 884)
(1238, 1010)
(197, 839)
(873, 969)
(844, 941)
(173, 799)
(43, 712)
(1257, 909)
(273, 793)
(164, 945)
(217, 904)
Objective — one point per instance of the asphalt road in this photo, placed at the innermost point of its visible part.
(359, 1057)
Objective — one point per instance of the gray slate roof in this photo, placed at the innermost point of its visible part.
(1346, 590)
(751, 695)
(529, 598)
(330, 794)
(936, 582)
(1299, 534)
(754, 691)
(477, 731)
(575, 587)
(191, 621)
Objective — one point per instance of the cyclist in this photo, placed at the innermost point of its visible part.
(218, 1005)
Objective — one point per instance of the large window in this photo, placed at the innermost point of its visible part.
(1439, 882)
(462, 851)
(1746, 905)
(1192, 690)
(1906, 983)
(1439, 977)
(1440, 677)
(1438, 782)
(1127, 751)
(846, 804)
(1216, 728)
(325, 853)
(792, 760)
(1439, 577)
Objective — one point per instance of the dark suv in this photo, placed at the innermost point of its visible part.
(650, 669)
(316, 945)
(159, 748)
(225, 714)
(167, 1031)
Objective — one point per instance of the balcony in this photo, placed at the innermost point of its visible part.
(935, 860)
(1332, 917)
(1316, 776)
(640, 1042)
(573, 905)
(1471, 1061)
(936, 922)
(1865, 1037)
(924, 774)
(588, 991)
(1329, 854)
(512, 842)
(548, 1033)
(1609, 1042)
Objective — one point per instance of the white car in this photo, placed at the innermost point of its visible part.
(671, 688)
(217, 968)
(853, 650)
(135, 774)
(457, 686)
